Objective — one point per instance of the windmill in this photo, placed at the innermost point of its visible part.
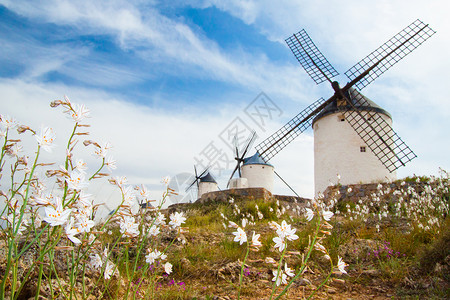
(205, 182)
(369, 124)
(240, 157)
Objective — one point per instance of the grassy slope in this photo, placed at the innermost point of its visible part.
(393, 262)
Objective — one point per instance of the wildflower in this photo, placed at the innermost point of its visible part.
(327, 215)
(255, 240)
(165, 180)
(231, 224)
(176, 219)
(168, 268)
(7, 122)
(71, 232)
(109, 270)
(320, 247)
(240, 236)
(285, 231)
(341, 265)
(160, 219)
(110, 163)
(81, 166)
(270, 260)
(279, 243)
(154, 230)
(79, 112)
(289, 272)
(45, 139)
(84, 224)
(56, 216)
(76, 180)
(279, 278)
(309, 214)
(96, 261)
(129, 227)
(154, 255)
(102, 150)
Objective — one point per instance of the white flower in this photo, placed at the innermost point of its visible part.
(7, 122)
(231, 224)
(79, 112)
(45, 139)
(71, 232)
(56, 216)
(81, 166)
(154, 255)
(165, 180)
(285, 231)
(84, 224)
(168, 268)
(309, 214)
(341, 265)
(129, 227)
(96, 261)
(279, 278)
(320, 247)
(76, 180)
(109, 270)
(154, 230)
(327, 215)
(255, 240)
(110, 163)
(289, 272)
(176, 219)
(102, 151)
(279, 243)
(240, 236)
(160, 219)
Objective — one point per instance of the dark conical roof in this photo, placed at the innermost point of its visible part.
(358, 100)
(207, 178)
(255, 160)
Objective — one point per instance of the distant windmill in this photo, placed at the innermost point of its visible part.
(240, 156)
(338, 147)
(205, 182)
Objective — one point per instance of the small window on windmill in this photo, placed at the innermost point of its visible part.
(341, 118)
(362, 149)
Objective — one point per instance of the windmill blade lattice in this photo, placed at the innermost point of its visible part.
(390, 53)
(377, 134)
(286, 134)
(309, 56)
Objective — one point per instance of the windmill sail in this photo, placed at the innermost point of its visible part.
(286, 134)
(389, 53)
(311, 59)
(240, 156)
(197, 178)
(376, 132)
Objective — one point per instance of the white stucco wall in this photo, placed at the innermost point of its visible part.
(238, 183)
(259, 176)
(206, 187)
(337, 151)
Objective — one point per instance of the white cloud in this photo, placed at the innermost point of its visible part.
(151, 143)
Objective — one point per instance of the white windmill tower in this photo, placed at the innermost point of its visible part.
(205, 183)
(364, 142)
(259, 174)
(338, 149)
(253, 171)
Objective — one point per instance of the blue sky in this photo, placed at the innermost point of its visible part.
(165, 79)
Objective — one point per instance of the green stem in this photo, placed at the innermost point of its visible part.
(311, 248)
(242, 271)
